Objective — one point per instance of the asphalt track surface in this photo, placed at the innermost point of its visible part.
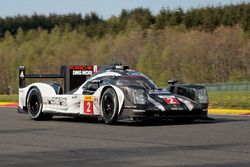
(73, 142)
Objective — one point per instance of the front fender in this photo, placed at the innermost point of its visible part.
(119, 92)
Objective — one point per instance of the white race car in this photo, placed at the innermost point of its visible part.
(112, 93)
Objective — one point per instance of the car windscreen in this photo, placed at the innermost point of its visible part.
(136, 80)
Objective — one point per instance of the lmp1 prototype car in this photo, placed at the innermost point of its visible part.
(111, 93)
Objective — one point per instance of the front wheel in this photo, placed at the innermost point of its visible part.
(109, 106)
(35, 105)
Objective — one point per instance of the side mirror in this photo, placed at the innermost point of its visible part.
(172, 82)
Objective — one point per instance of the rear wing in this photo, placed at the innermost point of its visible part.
(72, 75)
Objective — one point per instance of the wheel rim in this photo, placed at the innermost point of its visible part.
(108, 105)
(34, 105)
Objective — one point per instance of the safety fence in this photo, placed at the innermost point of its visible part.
(229, 86)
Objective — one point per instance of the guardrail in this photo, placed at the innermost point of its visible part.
(229, 86)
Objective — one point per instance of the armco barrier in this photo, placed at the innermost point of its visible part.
(229, 86)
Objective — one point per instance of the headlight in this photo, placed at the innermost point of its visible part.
(136, 95)
(202, 96)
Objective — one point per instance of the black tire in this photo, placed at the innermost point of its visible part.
(109, 106)
(35, 105)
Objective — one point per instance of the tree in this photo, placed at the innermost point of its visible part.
(153, 62)
(163, 18)
(246, 19)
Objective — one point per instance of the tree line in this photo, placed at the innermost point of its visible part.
(93, 25)
(190, 54)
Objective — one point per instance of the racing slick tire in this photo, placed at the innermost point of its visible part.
(109, 106)
(35, 105)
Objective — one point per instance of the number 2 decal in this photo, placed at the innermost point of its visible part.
(88, 105)
(171, 100)
(88, 109)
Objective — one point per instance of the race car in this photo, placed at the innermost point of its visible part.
(111, 93)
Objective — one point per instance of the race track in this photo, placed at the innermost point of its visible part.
(72, 142)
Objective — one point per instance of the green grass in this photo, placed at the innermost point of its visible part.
(234, 100)
(237, 99)
(8, 98)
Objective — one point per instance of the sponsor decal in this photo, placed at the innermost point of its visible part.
(96, 104)
(96, 101)
(170, 100)
(95, 68)
(80, 72)
(74, 97)
(86, 68)
(88, 104)
(57, 101)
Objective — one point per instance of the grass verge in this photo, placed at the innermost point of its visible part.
(8, 98)
(235, 100)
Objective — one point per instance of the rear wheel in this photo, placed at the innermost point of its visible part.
(109, 106)
(35, 105)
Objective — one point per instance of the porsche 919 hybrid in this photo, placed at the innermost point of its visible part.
(111, 93)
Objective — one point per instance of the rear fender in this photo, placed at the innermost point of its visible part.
(45, 89)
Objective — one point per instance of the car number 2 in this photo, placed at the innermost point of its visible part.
(88, 105)
(171, 100)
